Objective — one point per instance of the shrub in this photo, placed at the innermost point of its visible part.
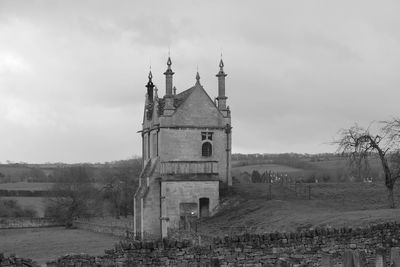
(10, 208)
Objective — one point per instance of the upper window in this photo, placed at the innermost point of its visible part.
(206, 149)
(206, 136)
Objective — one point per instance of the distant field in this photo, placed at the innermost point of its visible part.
(26, 186)
(36, 203)
(44, 244)
(13, 170)
(330, 164)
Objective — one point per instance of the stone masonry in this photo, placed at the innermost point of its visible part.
(376, 245)
(186, 149)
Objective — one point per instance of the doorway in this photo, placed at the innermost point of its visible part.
(204, 207)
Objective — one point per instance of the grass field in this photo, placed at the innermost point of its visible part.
(44, 244)
(249, 209)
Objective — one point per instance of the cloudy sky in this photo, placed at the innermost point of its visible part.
(72, 73)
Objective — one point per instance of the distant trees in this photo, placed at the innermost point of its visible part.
(358, 144)
(36, 175)
(73, 195)
(119, 184)
(255, 177)
(10, 208)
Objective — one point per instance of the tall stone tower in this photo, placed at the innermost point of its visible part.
(186, 150)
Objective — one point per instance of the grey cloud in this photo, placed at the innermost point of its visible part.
(297, 72)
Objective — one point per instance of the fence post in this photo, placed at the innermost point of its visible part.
(270, 190)
(380, 257)
(348, 259)
(395, 257)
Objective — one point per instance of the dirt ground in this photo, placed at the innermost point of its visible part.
(44, 244)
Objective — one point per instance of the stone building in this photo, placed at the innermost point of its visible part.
(186, 150)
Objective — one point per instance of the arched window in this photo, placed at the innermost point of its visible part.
(206, 149)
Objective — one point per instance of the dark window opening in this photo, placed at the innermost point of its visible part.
(204, 207)
(206, 149)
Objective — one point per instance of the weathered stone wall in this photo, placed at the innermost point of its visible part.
(9, 223)
(151, 209)
(185, 145)
(293, 249)
(13, 261)
(188, 192)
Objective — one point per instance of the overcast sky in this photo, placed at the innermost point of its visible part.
(72, 73)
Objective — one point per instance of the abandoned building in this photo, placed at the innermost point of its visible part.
(186, 150)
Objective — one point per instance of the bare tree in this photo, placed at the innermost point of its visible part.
(359, 143)
(73, 195)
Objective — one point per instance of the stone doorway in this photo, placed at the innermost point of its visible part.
(204, 207)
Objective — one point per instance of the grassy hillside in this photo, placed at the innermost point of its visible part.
(248, 208)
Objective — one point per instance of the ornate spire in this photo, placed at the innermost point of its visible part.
(221, 69)
(168, 78)
(221, 65)
(221, 87)
(150, 87)
(169, 63)
(197, 78)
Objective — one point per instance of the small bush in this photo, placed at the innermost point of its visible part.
(10, 208)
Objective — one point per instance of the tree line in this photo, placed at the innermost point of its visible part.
(79, 191)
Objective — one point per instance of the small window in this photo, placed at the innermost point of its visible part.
(206, 149)
(206, 136)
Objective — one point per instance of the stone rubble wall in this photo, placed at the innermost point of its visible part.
(318, 247)
(12, 223)
(13, 261)
(308, 248)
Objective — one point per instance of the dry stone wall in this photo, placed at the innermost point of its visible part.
(308, 248)
(13, 261)
(318, 247)
(10, 223)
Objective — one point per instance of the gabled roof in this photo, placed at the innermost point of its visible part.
(179, 99)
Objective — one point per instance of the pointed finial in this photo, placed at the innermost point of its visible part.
(150, 75)
(169, 62)
(198, 77)
(221, 64)
(155, 92)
